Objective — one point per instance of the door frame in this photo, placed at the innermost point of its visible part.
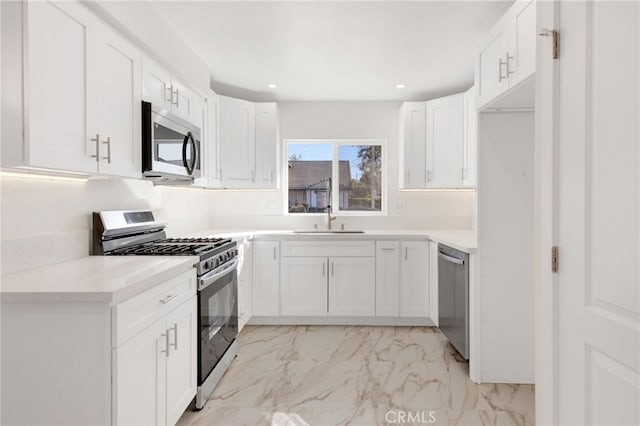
(546, 216)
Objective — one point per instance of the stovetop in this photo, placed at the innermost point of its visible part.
(165, 249)
(214, 242)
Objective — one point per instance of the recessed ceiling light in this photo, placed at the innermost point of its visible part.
(271, 86)
(400, 86)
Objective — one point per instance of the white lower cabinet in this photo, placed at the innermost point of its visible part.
(304, 286)
(433, 282)
(266, 286)
(155, 371)
(245, 282)
(387, 278)
(414, 279)
(352, 288)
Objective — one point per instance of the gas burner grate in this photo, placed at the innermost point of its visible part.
(215, 242)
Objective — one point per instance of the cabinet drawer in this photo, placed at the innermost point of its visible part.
(135, 314)
(328, 248)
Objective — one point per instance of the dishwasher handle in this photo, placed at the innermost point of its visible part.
(450, 259)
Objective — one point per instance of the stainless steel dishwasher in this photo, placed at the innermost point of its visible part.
(453, 297)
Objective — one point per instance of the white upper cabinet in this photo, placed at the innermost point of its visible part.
(433, 137)
(412, 140)
(237, 143)
(445, 141)
(267, 145)
(210, 148)
(507, 57)
(249, 144)
(164, 90)
(82, 104)
(470, 148)
(114, 99)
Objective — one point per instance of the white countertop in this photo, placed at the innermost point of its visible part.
(108, 279)
(459, 239)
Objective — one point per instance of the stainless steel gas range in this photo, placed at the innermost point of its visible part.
(137, 232)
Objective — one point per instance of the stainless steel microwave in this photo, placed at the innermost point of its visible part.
(171, 146)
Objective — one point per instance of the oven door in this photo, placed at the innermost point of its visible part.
(171, 145)
(217, 316)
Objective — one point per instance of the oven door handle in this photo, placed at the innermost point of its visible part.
(210, 278)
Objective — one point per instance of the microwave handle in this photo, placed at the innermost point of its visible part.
(190, 167)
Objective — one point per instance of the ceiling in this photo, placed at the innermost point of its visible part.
(333, 50)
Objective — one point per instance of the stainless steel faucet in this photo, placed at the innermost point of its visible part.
(329, 217)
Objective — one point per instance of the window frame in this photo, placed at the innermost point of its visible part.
(335, 193)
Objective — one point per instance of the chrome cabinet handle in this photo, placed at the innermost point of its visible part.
(175, 335)
(501, 63)
(429, 175)
(177, 98)
(108, 143)
(168, 299)
(275, 253)
(253, 176)
(406, 253)
(387, 249)
(166, 343)
(97, 141)
(271, 176)
(509, 58)
(323, 269)
(170, 90)
(332, 268)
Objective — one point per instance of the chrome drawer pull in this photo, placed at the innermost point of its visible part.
(168, 299)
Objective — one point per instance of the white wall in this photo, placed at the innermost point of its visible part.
(505, 246)
(46, 221)
(345, 120)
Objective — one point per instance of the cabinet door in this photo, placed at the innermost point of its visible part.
(245, 282)
(413, 140)
(114, 110)
(445, 140)
(352, 286)
(211, 141)
(237, 143)
(304, 286)
(58, 81)
(140, 367)
(267, 144)
(491, 73)
(522, 40)
(185, 101)
(470, 150)
(415, 279)
(182, 361)
(266, 272)
(156, 84)
(387, 278)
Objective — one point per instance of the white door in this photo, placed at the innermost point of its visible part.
(182, 367)
(237, 143)
(304, 288)
(445, 141)
(156, 84)
(491, 74)
(267, 144)
(266, 286)
(414, 287)
(412, 139)
(140, 378)
(114, 100)
(57, 86)
(352, 286)
(598, 208)
(522, 40)
(387, 278)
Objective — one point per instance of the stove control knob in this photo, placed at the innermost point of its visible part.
(216, 262)
(207, 264)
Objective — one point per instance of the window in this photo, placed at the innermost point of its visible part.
(337, 173)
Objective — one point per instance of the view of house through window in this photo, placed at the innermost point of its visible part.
(353, 180)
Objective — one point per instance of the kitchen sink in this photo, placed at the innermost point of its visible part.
(328, 231)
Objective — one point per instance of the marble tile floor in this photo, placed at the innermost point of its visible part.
(355, 375)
